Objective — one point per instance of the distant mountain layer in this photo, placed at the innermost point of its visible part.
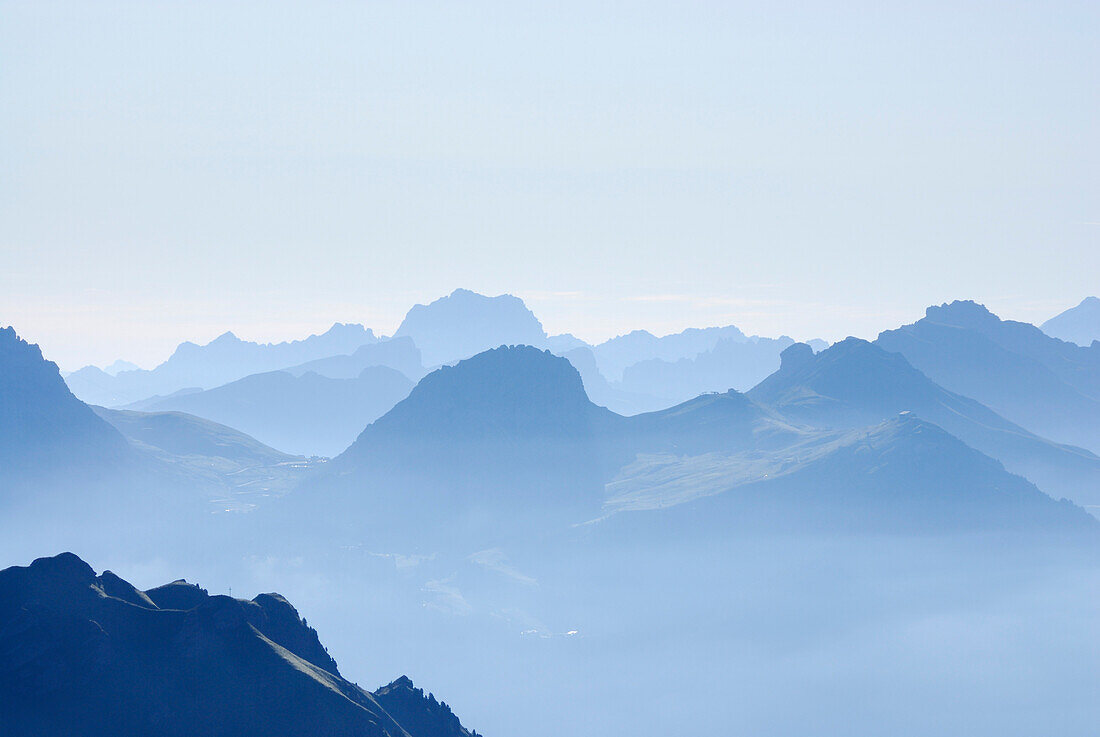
(509, 439)
(224, 359)
(400, 354)
(306, 414)
(1080, 324)
(730, 364)
(855, 383)
(85, 655)
(465, 323)
(1049, 386)
(614, 355)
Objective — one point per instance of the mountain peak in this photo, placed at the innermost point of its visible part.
(961, 313)
(795, 357)
(465, 323)
(502, 390)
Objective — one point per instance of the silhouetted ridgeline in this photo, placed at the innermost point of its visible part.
(88, 656)
(1044, 384)
(855, 383)
(224, 359)
(1080, 324)
(509, 438)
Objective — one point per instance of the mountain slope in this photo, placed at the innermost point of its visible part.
(306, 414)
(855, 383)
(46, 432)
(1080, 324)
(224, 359)
(903, 475)
(465, 323)
(508, 443)
(240, 469)
(87, 656)
(1044, 384)
(507, 438)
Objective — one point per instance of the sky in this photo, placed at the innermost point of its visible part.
(169, 170)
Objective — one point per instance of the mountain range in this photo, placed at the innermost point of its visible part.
(87, 655)
(304, 414)
(509, 437)
(224, 359)
(1047, 385)
(855, 384)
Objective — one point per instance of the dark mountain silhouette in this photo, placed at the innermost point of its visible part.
(466, 323)
(1049, 386)
(400, 354)
(730, 364)
(306, 414)
(1080, 324)
(87, 656)
(45, 432)
(226, 358)
(420, 715)
(855, 383)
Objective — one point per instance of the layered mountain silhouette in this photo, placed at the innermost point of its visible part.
(88, 656)
(226, 358)
(507, 432)
(730, 364)
(608, 394)
(1080, 324)
(465, 323)
(509, 437)
(1047, 385)
(903, 475)
(400, 354)
(307, 414)
(615, 355)
(855, 383)
(618, 354)
(46, 433)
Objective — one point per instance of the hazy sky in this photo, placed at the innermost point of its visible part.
(170, 170)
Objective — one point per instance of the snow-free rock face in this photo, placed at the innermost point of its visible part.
(1080, 324)
(88, 655)
(465, 323)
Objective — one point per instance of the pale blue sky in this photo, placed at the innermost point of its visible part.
(172, 170)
